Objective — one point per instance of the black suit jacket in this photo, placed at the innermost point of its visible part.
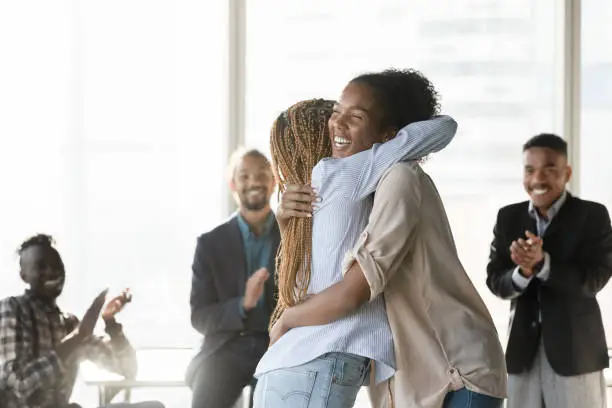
(579, 242)
(218, 284)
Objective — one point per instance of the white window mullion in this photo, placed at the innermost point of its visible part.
(571, 86)
(236, 85)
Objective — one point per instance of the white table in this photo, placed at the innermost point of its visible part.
(157, 368)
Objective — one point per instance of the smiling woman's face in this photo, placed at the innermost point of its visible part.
(355, 124)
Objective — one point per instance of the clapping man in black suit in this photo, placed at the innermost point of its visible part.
(550, 256)
(233, 291)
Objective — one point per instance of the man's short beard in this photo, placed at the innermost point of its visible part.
(256, 206)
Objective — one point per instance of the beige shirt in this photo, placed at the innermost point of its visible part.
(443, 334)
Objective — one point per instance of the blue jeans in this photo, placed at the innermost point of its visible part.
(465, 398)
(330, 381)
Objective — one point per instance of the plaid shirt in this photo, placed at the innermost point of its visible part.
(31, 374)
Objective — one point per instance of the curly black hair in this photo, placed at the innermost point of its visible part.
(405, 96)
(40, 240)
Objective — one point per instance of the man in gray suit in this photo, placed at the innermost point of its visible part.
(232, 292)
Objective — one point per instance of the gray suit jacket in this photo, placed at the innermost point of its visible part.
(218, 284)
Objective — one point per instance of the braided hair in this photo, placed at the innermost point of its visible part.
(298, 140)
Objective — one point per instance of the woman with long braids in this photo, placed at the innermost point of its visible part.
(293, 159)
(446, 348)
(299, 368)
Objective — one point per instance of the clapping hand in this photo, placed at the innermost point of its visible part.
(527, 253)
(116, 304)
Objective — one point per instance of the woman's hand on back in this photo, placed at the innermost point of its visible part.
(297, 201)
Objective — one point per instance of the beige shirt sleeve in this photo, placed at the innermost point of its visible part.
(387, 239)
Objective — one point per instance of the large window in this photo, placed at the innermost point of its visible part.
(595, 166)
(112, 139)
(493, 62)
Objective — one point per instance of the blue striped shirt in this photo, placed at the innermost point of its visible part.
(345, 187)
